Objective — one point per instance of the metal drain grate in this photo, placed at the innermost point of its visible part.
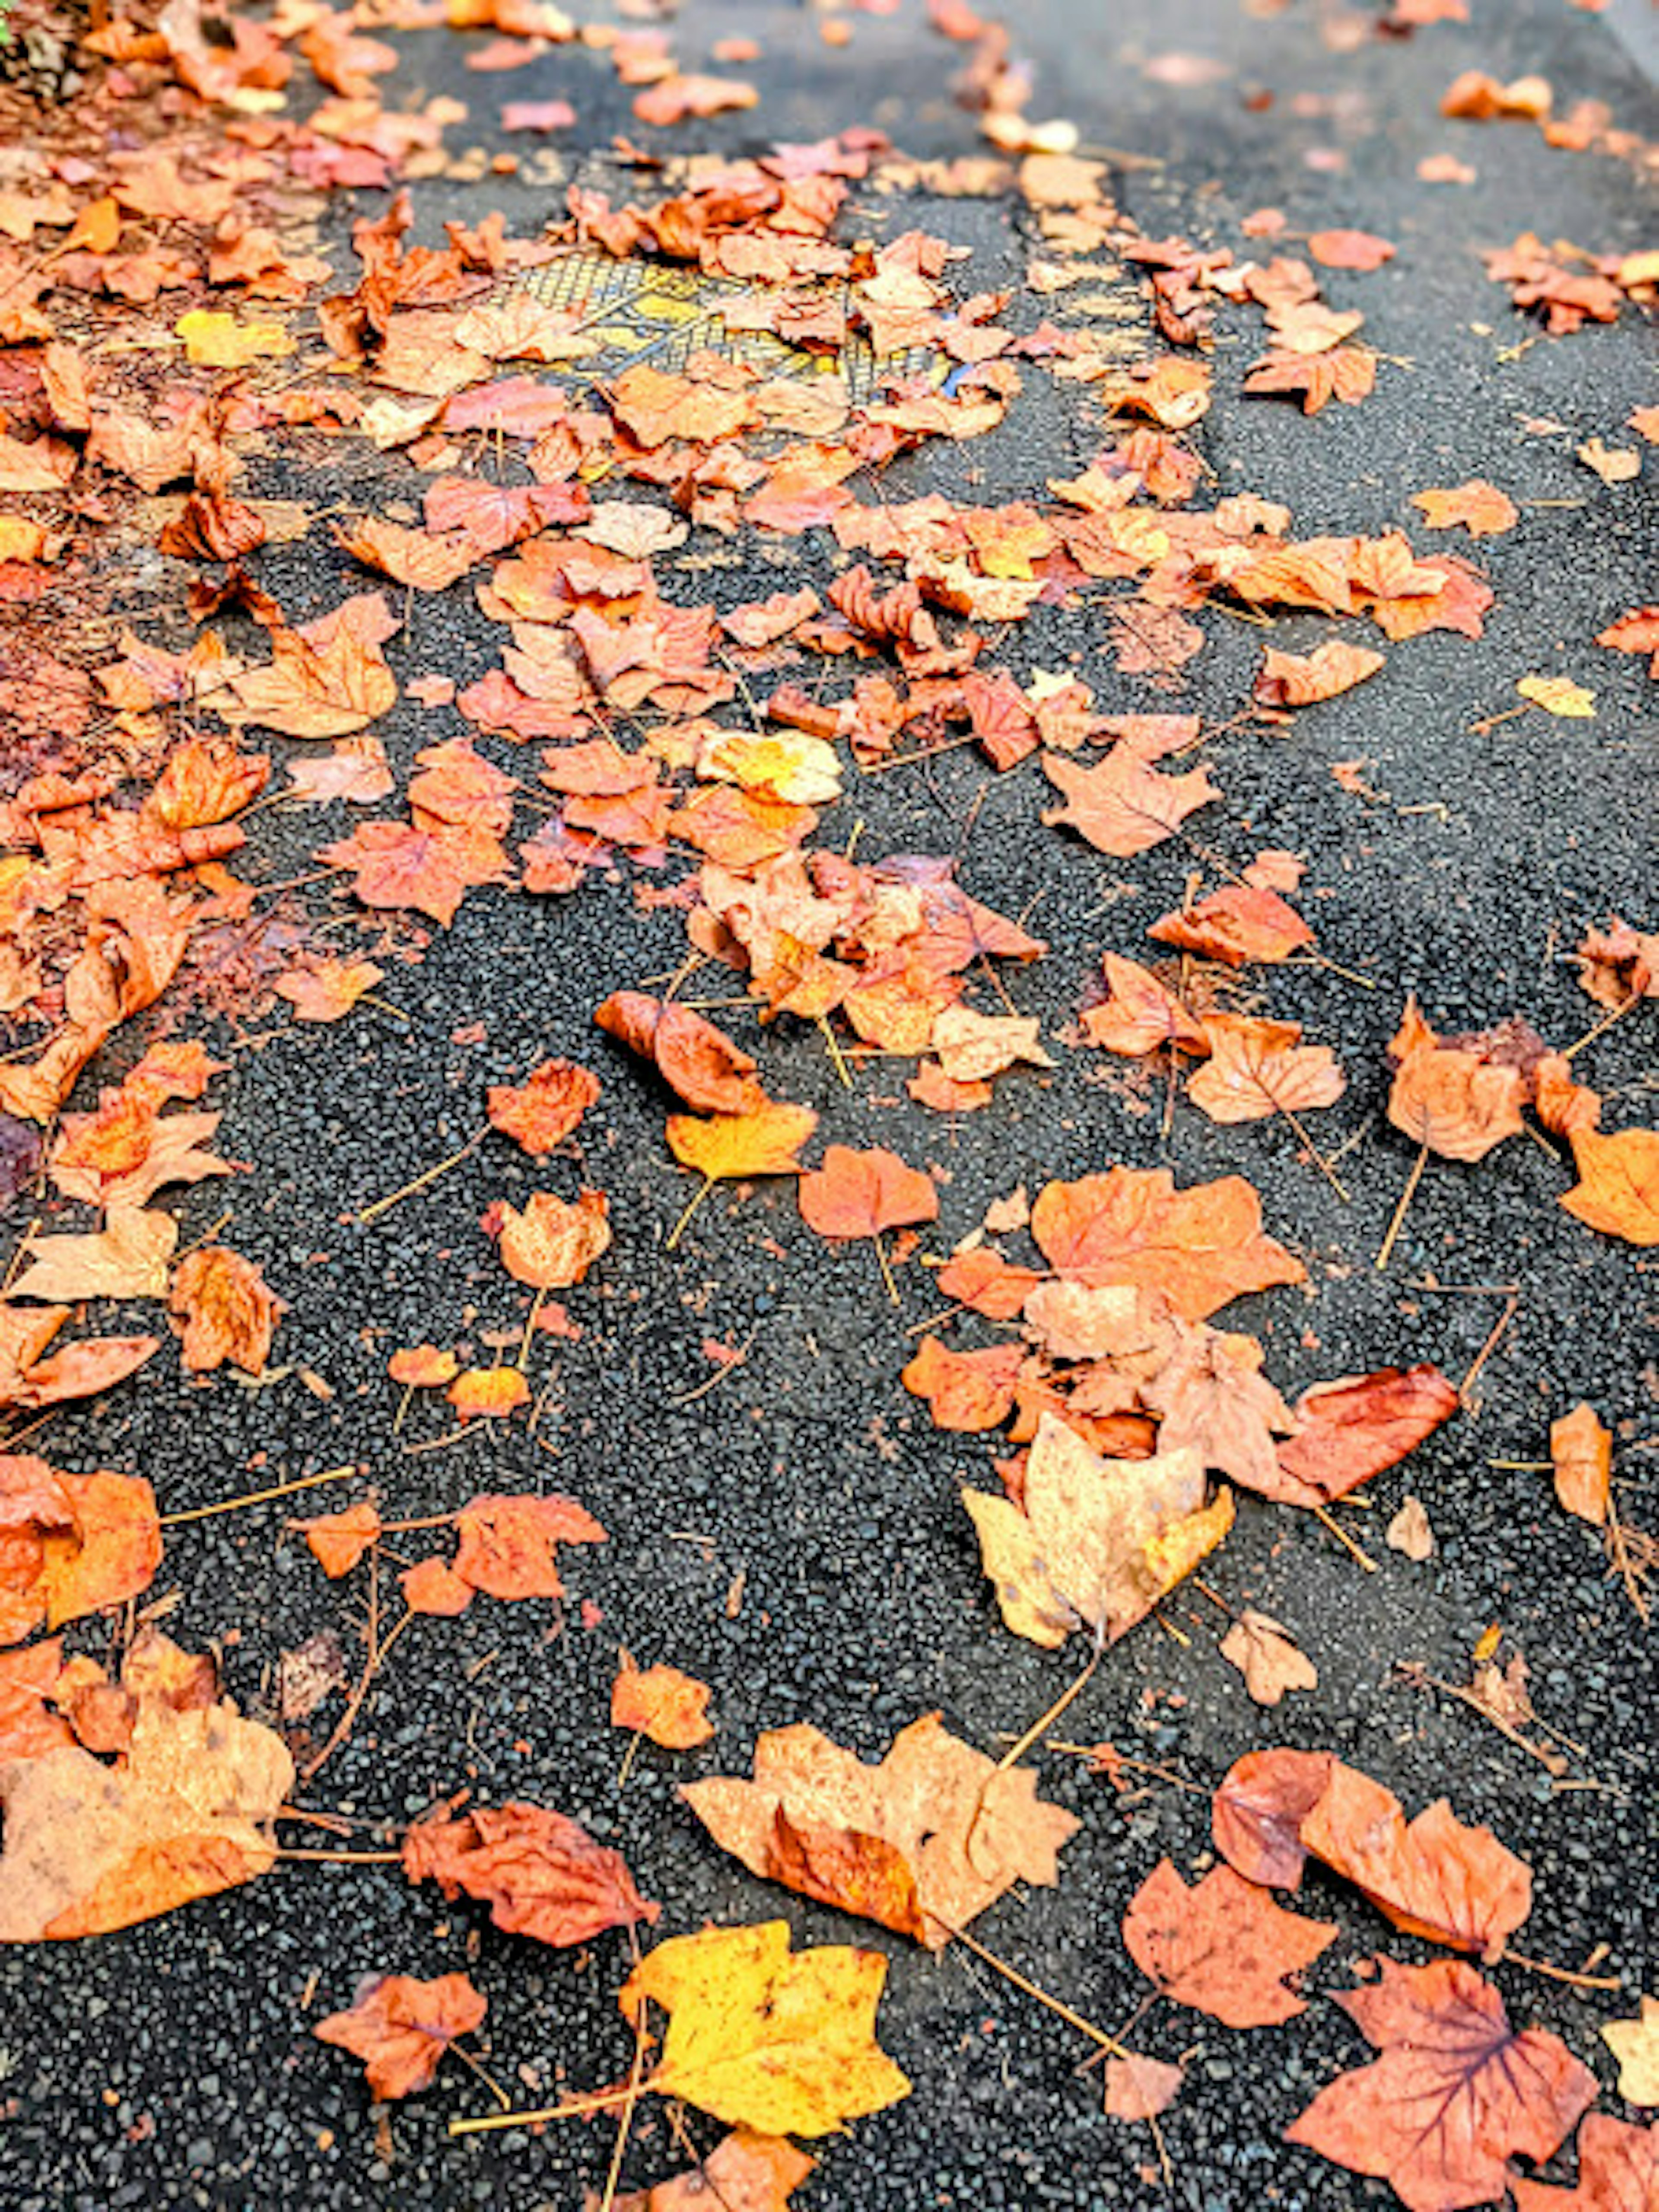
(640, 311)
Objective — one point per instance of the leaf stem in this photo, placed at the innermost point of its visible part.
(442, 1168)
(1400, 1211)
(259, 1497)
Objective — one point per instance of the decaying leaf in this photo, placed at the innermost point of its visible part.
(1455, 1102)
(1618, 2172)
(551, 1244)
(401, 2027)
(744, 2173)
(1635, 2045)
(226, 1309)
(1454, 2093)
(765, 2037)
(922, 1842)
(126, 1258)
(1618, 1186)
(1202, 1247)
(540, 1873)
(1347, 1431)
(70, 1544)
(697, 1060)
(1099, 1542)
(509, 1542)
(545, 1110)
(1223, 1947)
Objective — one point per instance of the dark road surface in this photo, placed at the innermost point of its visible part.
(173, 2065)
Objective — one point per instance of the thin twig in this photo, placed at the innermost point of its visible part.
(442, 1167)
(601, 2100)
(259, 1496)
(1329, 1521)
(1487, 1349)
(635, 2077)
(713, 1381)
(1400, 1211)
(1564, 1973)
(1063, 2011)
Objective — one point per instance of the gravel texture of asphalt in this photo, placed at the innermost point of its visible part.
(793, 1535)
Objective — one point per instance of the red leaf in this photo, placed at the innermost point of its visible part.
(540, 1873)
(1224, 1947)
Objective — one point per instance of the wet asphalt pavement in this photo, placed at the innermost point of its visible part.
(172, 2065)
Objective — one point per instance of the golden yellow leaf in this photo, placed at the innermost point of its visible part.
(1559, 695)
(764, 2038)
(722, 1146)
(215, 341)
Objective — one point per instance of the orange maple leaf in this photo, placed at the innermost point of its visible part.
(859, 1193)
(1224, 1947)
(401, 2027)
(546, 1108)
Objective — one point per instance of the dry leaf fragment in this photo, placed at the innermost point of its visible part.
(967, 1392)
(1618, 963)
(76, 1370)
(1100, 1542)
(1454, 2095)
(1139, 2088)
(1581, 1448)
(548, 1107)
(922, 1842)
(489, 1392)
(327, 990)
(1618, 2172)
(226, 1309)
(859, 1193)
(1202, 1247)
(70, 1544)
(433, 1587)
(1288, 679)
(1614, 465)
(89, 1847)
(1559, 695)
(694, 1058)
(540, 1873)
(126, 1258)
(401, 2027)
(551, 1244)
(661, 1703)
(1410, 1532)
(766, 2038)
(1457, 1102)
(1222, 1948)
(1635, 2045)
(973, 1046)
(1268, 1657)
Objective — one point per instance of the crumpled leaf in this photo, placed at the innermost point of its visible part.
(764, 2038)
(540, 1873)
(545, 1110)
(1222, 1948)
(228, 1310)
(1349, 1430)
(693, 1057)
(661, 1703)
(1618, 2172)
(70, 1544)
(1239, 923)
(859, 1193)
(1431, 1876)
(1581, 1450)
(126, 1258)
(1268, 1657)
(1100, 1542)
(1454, 2093)
(923, 1842)
(966, 1391)
(401, 2027)
(1289, 679)
(29, 1379)
(972, 1047)
(338, 1540)
(508, 1542)
(1202, 1247)
(1457, 1102)
(89, 1847)
(551, 1244)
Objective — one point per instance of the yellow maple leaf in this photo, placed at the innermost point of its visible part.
(765, 2037)
(1559, 695)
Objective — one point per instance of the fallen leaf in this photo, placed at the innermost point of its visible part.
(1410, 1532)
(661, 1703)
(398, 864)
(401, 2027)
(1560, 696)
(1237, 924)
(764, 2038)
(1348, 1431)
(967, 1392)
(70, 1544)
(228, 1311)
(1288, 679)
(726, 1146)
(509, 1541)
(744, 2173)
(1256, 1814)
(1222, 1947)
(219, 341)
(1202, 1247)
(1268, 1657)
(1455, 2095)
(1100, 1542)
(1581, 1448)
(1455, 1102)
(1618, 2172)
(551, 1244)
(548, 1107)
(433, 1587)
(922, 1842)
(327, 990)
(1123, 806)
(859, 1193)
(693, 1057)
(307, 690)
(127, 1259)
(1618, 1186)
(1478, 505)
(540, 1873)
(338, 1540)
(1635, 2045)
(1257, 1068)
(1359, 250)
(1138, 2088)
(189, 1813)
(1139, 1015)
(1614, 465)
